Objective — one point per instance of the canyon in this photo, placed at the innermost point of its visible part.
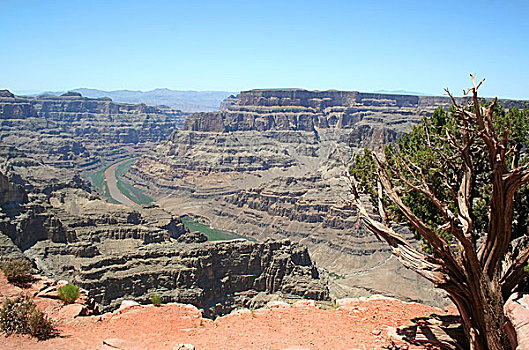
(51, 213)
(269, 166)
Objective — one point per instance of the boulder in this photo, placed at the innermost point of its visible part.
(71, 311)
(182, 346)
(517, 310)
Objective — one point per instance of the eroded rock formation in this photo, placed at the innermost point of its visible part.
(216, 277)
(49, 213)
(268, 165)
(73, 131)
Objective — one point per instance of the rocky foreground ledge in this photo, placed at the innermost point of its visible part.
(217, 277)
(373, 322)
(376, 322)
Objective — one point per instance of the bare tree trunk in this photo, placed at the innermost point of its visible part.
(483, 319)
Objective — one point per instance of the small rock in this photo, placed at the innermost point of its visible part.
(305, 303)
(241, 312)
(277, 304)
(346, 302)
(192, 237)
(183, 347)
(127, 304)
(517, 310)
(69, 312)
(376, 332)
(121, 344)
(50, 292)
(393, 335)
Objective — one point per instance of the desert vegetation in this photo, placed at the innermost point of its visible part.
(21, 316)
(17, 271)
(68, 293)
(156, 300)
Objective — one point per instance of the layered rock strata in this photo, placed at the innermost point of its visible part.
(49, 214)
(71, 131)
(269, 164)
(216, 277)
(39, 202)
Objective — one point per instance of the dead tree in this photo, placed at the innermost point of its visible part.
(475, 267)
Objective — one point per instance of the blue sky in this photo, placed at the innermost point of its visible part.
(238, 45)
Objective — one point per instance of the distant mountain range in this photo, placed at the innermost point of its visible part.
(187, 101)
(401, 92)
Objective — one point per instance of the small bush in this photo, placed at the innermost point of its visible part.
(17, 271)
(156, 300)
(21, 316)
(68, 293)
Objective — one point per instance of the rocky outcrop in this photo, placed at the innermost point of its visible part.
(6, 93)
(517, 310)
(216, 277)
(10, 193)
(72, 131)
(192, 237)
(89, 219)
(55, 205)
(296, 109)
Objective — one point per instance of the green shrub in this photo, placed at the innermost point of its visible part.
(21, 316)
(68, 293)
(156, 300)
(17, 271)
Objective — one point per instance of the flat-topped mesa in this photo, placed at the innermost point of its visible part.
(298, 109)
(323, 99)
(302, 110)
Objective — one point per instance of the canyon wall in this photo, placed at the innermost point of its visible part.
(216, 277)
(269, 165)
(71, 131)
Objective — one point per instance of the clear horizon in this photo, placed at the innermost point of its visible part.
(236, 45)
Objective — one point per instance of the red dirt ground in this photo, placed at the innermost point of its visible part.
(358, 324)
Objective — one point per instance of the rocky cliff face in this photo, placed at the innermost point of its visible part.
(12, 196)
(264, 130)
(216, 277)
(268, 165)
(10, 193)
(43, 203)
(73, 131)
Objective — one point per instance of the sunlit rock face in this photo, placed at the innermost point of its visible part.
(216, 277)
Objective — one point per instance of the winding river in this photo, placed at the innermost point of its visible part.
(112, 184)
